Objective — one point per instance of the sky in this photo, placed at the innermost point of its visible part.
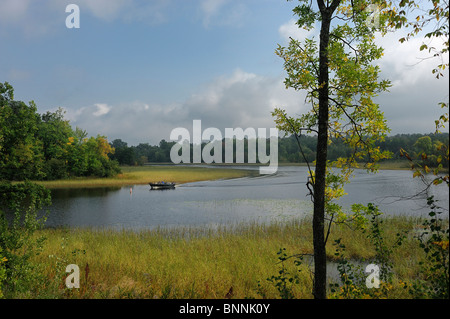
(137, 69)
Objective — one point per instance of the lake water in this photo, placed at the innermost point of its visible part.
(265, 198)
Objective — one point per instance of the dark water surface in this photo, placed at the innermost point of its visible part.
(254, 199)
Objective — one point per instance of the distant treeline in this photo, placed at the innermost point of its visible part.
(288, 150)
(37, 146)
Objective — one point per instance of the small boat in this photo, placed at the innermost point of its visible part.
(162, 185)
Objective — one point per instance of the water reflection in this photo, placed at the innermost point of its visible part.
(69, 193)
(258, 199)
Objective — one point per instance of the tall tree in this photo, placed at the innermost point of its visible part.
(123, 154)
(54, 132)
(340, 82)
(20, 150)
(35, 147)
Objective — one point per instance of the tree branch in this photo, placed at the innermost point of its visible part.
(310, 60)
(334, 5)
(329, 229)
(348, 44)
(321, 5)
(297, 137)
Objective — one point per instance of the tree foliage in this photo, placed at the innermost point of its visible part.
(39, 147)
(340, 79)
(430, 18)
(288, 151)
(21, 215)
(20, 150)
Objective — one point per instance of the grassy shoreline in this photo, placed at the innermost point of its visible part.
(198, 263)
(138, 175)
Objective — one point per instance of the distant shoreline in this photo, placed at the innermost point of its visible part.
(387, 165)
(142, 175)
(181, 173)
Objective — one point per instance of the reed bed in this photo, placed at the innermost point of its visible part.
(196, 262)
(138, 175)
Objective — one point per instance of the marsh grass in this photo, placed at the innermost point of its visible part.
(193, 262)
(137, 175)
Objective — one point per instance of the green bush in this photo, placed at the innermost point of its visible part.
(3, 260)
(434, 240)
(20, 206)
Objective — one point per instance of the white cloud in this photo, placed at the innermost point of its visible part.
(222, 12)
(44, 17)
(129, 10)
(237, 100)
(30, 17)
(12, 10)
(241, 100)
(404, 63)
(291, 29)
(102, 109)
(105, 9)
(211, 8)
(152, 12)
(411, 105)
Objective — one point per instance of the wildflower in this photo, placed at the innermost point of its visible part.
(442, 244)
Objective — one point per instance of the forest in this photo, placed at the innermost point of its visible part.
(37, 146)
(46, 147)
(288, 149)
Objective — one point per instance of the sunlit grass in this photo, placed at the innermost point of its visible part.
(395, 164)
(195, 262)
(185, 262)
(135, 175)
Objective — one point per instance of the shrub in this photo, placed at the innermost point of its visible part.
(19, 207)
(434, 240)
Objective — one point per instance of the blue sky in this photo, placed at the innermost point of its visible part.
(137, 69)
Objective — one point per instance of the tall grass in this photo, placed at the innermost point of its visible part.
(135, 175)
(191, 262)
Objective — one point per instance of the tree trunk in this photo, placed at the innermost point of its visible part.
(320, 262)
